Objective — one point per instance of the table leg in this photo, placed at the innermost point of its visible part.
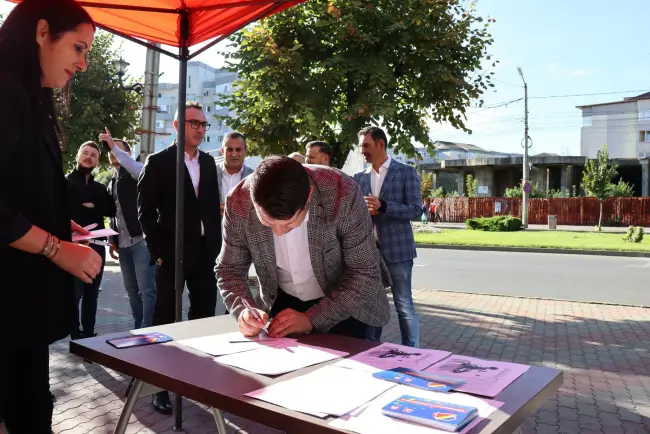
(221, 422)
(134, 394)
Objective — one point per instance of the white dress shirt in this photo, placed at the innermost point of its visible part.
(376, 181)
(194, 169)
(230, 181)
(294, 271)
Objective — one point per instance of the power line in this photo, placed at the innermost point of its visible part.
(588, 94)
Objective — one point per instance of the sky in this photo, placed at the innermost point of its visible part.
(564, 47)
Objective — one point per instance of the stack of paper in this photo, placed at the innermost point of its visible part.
(280, 359)
(389, 356)
(370, 419)
(231, 343)
(327, 391)
(482, 377)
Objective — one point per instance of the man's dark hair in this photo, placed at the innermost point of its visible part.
(322, 147)
(125, 143)
(376, 133)
(92, 145)
(233, 135)
(280, 186)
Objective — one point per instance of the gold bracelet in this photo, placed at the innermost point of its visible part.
(47, 246)
(55, 248)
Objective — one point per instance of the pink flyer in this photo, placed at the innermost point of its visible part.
(482, 377)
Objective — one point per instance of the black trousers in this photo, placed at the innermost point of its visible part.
(25, 400)
(351, 327)
(87, 294)
(201, 284)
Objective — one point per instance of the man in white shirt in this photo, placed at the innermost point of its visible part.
(232, 169)
(201, 229)
(308, 232)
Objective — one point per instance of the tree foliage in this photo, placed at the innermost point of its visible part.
(426, 183)
(621, 189)
(327, 68)
(597, 179)
(95, 100)
(471, 186)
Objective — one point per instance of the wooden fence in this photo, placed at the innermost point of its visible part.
(620, 211)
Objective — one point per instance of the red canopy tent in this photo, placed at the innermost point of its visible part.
(182, 24)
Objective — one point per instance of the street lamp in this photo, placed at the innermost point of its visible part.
(120, 67)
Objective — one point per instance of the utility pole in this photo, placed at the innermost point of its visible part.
(525, 180)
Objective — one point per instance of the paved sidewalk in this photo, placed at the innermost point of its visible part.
(560, 228)
(604, 351)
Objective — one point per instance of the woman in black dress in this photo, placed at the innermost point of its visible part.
(43, 43)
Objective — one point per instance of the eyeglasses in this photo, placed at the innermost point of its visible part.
(195, 124)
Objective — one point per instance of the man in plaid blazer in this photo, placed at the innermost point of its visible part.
(308, 232)
(393, 195)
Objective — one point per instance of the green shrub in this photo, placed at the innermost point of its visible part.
(501, 223)
(634, 234)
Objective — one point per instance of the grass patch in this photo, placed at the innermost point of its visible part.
(533, 239)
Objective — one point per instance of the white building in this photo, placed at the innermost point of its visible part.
(205, 84)
(624, 126)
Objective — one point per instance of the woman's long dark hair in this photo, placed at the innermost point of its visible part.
(19, 50)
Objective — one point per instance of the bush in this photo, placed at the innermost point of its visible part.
(634, 234)
(502, 223)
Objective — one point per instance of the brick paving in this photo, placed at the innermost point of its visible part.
(603, 350)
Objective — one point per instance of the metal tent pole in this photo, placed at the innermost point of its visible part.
(179, 281)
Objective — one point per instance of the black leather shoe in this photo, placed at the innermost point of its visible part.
(161, 403)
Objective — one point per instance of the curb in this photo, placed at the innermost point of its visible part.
(564, 300)
(536, 250)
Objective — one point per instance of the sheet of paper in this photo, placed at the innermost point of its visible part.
(101, 233)
(329, 390)
(280, 359)
(221, 345)
(372, 421)
(388, 356)
(482, 377)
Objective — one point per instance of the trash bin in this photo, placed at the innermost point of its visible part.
(552, 222)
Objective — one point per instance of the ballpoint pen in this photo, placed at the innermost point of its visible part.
(254, 313)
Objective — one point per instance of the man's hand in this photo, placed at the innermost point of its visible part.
(373, 204)
(106, 137)
(222, 205)
(289, 322)
(113, 252)
(88, 204)
(249, 326)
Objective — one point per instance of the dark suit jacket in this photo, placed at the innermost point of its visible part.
(36, 296)
(157, 207)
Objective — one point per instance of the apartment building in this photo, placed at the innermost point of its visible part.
(624, 126)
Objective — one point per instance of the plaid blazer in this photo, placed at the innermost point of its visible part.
(403, 195)
(342, 248)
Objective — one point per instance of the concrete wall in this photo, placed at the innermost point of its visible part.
(614, 125)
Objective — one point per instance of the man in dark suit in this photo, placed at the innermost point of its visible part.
(308, 232)
(202, 228)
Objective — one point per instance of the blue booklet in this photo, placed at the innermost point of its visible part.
(129, 341)
(436, 414)
(420, 379)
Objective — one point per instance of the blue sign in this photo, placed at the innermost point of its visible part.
(527, 187)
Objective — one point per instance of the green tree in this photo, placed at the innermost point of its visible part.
(327, 68)
(597, 178)
(622, 189)
(536, 192)
(426, 183)
(471, 186)
(95, 100)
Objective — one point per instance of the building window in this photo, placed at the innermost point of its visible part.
(208, 109)
(644, 115)
(208, 139)
(219, 123)
(160, 95)
(189, 81)
(587, 121)
(644, 136)
(206, 93)
(160, 124)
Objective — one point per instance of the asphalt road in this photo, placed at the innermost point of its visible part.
(569, 277)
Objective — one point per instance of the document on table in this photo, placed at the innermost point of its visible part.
(482, 377)
(371, 420)
(280, 359)
(329, 390)
(231, 343)
(389, 356)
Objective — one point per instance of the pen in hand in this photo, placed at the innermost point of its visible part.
(254, 313)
